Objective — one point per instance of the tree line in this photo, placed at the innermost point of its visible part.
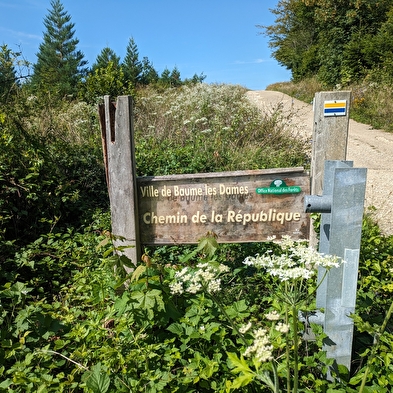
(338, 41)
(61, 69)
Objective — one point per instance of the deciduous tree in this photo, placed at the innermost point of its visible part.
(333, 39)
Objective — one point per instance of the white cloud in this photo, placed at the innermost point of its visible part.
(256, 61)
(21, 34)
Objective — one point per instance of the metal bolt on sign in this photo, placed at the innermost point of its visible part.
(341, 205)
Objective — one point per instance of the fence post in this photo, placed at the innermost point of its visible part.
(342, 208)
(330, 133)
(119, 156)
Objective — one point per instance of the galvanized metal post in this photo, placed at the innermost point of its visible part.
(341, 224)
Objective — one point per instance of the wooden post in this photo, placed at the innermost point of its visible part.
(330, 133)
(118, 138)
(330, 138)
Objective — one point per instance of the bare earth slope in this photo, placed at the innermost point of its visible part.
(367, 148)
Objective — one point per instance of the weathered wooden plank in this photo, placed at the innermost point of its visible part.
(330, 135)
(122, 174)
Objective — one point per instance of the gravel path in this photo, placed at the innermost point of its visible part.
(367, 148)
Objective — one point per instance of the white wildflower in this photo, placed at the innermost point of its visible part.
(245, 328)
(272, 316)
(203, 265)
(214, 285)
(223, 268)
(282, 327)
(194, 287)
(207, 275)
(181, 273)
(298, 262)
(176, 288)
(261, 348)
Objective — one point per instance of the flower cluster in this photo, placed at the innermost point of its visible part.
(297, 261)
(261, 348)
(204, 277)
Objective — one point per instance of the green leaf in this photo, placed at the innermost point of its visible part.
(238, 365)
(138, 272)
(149, 300)
(98, 381)
(176, 328)
(242, 380)
(5, 384)
(238, 309)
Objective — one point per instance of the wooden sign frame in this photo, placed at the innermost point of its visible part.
(240, 206)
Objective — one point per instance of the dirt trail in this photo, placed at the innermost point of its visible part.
(367, 148)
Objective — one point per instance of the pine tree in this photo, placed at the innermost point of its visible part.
(175, 79)
(149, 74)
(165, 79)
(132, 67)
(8, 78)
(60, 66)
(106, 56)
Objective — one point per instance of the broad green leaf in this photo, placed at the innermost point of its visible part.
(176, 328)
(138, 272)
(98, 381)
(238, 365)
(242, 380)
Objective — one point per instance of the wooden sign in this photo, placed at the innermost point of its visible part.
(181, 209)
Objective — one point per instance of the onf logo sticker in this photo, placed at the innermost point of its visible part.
(279, 187)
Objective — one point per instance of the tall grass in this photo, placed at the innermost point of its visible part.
(206, 128)
(303, 90)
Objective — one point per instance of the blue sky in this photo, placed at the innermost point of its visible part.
(218, 38)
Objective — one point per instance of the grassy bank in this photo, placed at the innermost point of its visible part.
(372, 99)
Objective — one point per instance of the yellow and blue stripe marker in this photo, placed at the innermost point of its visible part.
(335, 108)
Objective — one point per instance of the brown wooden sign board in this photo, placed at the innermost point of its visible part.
(237, 206)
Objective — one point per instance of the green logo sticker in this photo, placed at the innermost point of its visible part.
(279, 187)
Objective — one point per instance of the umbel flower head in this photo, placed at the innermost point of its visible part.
(204, 277)
(261, 348)
(298, 261)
